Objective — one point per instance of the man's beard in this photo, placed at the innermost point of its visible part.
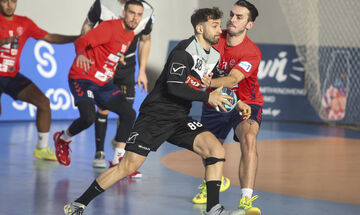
(235, 33)
(212, 41)
(129, 26)
(6, 14)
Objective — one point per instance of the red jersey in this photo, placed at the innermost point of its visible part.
(103, 45)
(24, 28)
(246, 58)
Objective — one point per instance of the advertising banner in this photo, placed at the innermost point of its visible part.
(47, 65)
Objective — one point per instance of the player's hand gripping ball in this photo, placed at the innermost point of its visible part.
(228, 92)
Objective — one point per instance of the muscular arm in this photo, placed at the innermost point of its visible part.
(87, 26)
(183, 91)
(143, 51)
(58, 38)
(143, 54)
(234, 77)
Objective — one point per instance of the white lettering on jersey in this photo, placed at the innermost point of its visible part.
(8, 62)
(123, 48)
(177, 69)
(3, 68)
(101, 76)
(113, 58)
(90, 94)
(245, 65)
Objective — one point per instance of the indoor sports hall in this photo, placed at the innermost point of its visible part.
(308, 144)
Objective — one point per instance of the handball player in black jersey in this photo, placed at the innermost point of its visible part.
(164, 114)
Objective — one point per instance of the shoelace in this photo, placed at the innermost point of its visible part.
(78, 210)
(221, 209)
(202, 187)
(48, 151)
(249, 201)
(66, 147)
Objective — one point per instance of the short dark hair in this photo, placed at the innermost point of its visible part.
(204, 14)
(134, 2)
(253, 11)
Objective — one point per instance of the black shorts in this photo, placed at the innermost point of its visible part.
(14, 85)
(149, 133)
(125, 80)
(220, 124)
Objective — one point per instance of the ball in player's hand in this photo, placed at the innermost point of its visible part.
(231, 93)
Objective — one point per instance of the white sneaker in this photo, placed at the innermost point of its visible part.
(99, 160)
(220, 210)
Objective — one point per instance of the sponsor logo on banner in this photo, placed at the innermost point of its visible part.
(60, 99)
(45, 59)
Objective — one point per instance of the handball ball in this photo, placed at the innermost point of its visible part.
(229, 92)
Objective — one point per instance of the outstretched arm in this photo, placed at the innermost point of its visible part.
(229, 81)
(59, 39)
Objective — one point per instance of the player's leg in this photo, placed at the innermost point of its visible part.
(124, 80)
(142, 141)
(218, 124)
(100, 133)
(246, 132)
(82, 90)
(192, 135)
(127, 117)
(130, 163)
(213, 153)
(29, 92)
(62, 139)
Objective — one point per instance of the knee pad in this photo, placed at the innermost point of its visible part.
(213, 160)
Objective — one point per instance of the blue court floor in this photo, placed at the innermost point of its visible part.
(29, 186)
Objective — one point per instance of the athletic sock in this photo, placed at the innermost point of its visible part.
(100, 131)
(213, 188)
(247, 192)
(43, 139)
(93, 191)
(65, 136)
(119, 152)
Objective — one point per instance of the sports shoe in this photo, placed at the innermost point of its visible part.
(247, 206)
(201, 197)
(220, 210)
(99, 160)
(135, 174)
(74, 208)
(62, 149)
(44, 153)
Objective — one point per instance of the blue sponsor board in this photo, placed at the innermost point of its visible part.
(281, 78)
(48, 65)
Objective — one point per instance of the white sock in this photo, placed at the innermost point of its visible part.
(119, 152)
(43, 140)
(247, 192)
(65, 136)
